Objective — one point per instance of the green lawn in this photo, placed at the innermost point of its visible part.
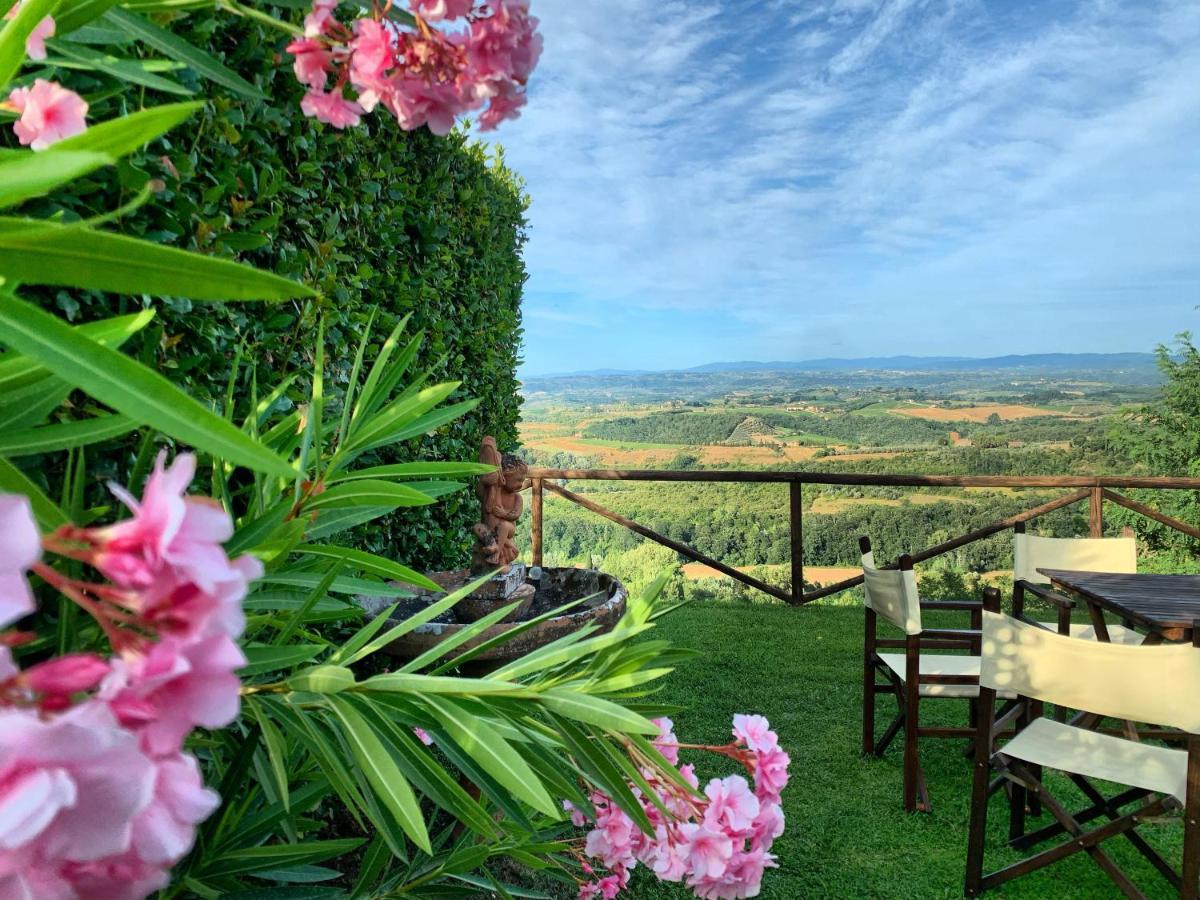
(847, 835)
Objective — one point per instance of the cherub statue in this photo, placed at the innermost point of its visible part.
(500, 503)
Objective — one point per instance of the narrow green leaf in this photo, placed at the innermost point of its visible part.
(382, 773)
(369, 562)
(203, 64)
(418, 470)
(340, 585)
(127, 386)
(13, 481)
(118, 137)
(322, 680)
(332, 521)
(402, 682)
(605, 714)
(276, 751)
(55, 438)
(132, 70)
(505, 636)
(484, 744)
(352, 384)
(262, 658)
(76, 15)
(37, 251)
(367, 493)
(368, 399)
(32, 174)
(14, 33)
(317, 593)
(460, 637)
(17, 370)
(427, 614)
(257, 859)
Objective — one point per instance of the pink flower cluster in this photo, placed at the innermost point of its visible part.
(97, 796)
(719, 846)
(421, 75)
(47, 112)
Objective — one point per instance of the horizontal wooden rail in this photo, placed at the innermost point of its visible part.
(870, 479)
(1094, 488)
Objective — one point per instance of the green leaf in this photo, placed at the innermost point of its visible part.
(303, 874)
(369, 562)
(203, 64)
(593, 710)
(14, 34)
(17, 370)
(77, 14)
(13, 481)
(419, 470)
(317, 593)
(36, 251)
(322, 680)
(127, 386)
(69, 435)
(276, 751)
(367, 493)
(259, 859)
(118, 137)
(382, 773)
(331, 521)
(342, 585)
(402, 682)
(33, 174)
(132, 70)
(460, 637)
(376, 431)
(427, 614)
(485, 745)
(262, 658)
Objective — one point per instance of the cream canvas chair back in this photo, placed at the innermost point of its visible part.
(1157, 684)
(892, 593)
(1031, 552)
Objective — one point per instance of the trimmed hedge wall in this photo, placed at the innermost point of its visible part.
(374, 217)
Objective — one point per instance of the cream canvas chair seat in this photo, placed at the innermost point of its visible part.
(935, 664)
(1156, 684)
(1032, 552)
(915, 674)
(1091, 754)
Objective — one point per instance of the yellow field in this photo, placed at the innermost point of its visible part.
(1006, 411)
(812, 574)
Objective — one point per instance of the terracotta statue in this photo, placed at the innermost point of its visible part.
(500, 503)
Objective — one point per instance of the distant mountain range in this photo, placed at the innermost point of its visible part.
(1033, 361)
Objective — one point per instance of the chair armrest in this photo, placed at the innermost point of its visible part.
(950, 634)
(1045, 592)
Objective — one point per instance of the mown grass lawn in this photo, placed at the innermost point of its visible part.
(847, 835)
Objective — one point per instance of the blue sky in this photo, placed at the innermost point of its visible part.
(789, 180)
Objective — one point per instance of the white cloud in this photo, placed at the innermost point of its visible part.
(861, 157)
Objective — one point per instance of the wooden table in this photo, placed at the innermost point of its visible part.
(1165, 606)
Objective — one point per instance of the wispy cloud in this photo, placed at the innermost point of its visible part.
(924, 175)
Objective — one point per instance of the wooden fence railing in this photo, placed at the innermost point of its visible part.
(1095, 489)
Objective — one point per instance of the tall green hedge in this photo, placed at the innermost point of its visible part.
(373, 217)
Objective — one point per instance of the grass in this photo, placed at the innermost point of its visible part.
(847, 834)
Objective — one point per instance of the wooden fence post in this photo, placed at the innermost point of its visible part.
(535, 525)
(796, 520)
(1096, 512)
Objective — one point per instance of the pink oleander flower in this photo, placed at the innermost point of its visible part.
(313, 62)
(35, 44)
(20, 549)
(437, 10)
(732, 807)
(755, 732)
(423, 736)
(48, 113)
(666, 743)
(170, 554)
(164, 831)
(771, 774)
(318, 21)
(174, 687)
(504, 105)
(331, 108)
(70, 789)
(578, 819)
(767, 826)
(124, 876)
(742, 878)
(505, 45)
(59, 678)
(707, 852)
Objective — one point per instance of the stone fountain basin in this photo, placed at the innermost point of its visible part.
(604, 606)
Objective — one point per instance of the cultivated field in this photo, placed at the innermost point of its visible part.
(1007, 412)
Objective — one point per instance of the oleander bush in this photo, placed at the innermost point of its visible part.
(377, 219)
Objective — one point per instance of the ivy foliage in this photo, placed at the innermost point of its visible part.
(383, 223)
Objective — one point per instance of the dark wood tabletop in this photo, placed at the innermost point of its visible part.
(1159, 603)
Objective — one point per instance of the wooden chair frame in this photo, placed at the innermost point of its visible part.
(907, 691)
(1025, 784)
